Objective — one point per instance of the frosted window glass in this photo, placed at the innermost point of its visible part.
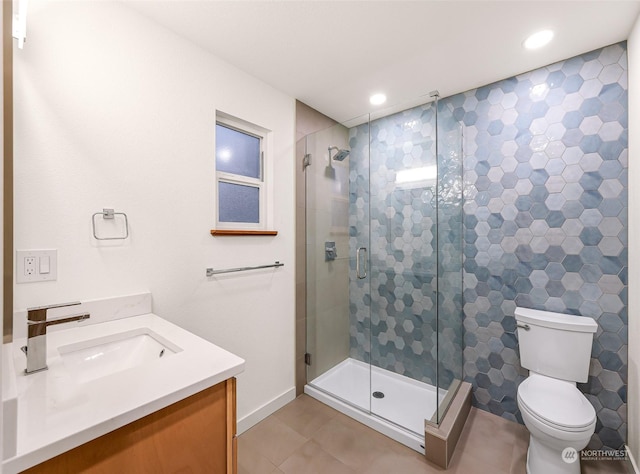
(237, 152)
(238, 203)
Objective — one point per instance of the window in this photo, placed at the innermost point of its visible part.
(240, 181)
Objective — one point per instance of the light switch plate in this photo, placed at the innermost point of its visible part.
(30, 264)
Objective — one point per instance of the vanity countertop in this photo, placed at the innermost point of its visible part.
(56, 413)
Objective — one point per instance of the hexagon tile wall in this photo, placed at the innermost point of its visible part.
(398, 227)
(545, 227)
(546, 223)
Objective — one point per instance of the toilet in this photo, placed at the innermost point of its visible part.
(556, 348)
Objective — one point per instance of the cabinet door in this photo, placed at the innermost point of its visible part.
(232, 438)
(194, 435)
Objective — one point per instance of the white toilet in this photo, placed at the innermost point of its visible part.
(556, 348)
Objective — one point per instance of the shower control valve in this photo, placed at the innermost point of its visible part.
(330, 252)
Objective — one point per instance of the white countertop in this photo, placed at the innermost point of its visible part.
(55, 413)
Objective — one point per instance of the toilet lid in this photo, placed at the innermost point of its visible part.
(557, 402)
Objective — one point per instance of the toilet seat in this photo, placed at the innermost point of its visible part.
(556, 403)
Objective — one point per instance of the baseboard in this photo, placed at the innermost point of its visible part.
(265, 410)
(632, 465)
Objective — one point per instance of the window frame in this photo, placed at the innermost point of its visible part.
(246, 128)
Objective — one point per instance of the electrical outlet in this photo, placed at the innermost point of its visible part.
(36, 265)
(29, 266)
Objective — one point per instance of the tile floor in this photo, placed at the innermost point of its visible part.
(307, 437)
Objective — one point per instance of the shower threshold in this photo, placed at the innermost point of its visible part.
(399, 413)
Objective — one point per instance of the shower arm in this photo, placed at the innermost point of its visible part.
(330, 157)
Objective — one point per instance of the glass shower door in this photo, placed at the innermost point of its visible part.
(450, 233)
(404, 267)
(384, 265)
(337, 267)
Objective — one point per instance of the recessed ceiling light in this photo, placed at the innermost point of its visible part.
(377, 99)
(538, 40)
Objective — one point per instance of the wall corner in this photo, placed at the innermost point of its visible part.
(633, 51)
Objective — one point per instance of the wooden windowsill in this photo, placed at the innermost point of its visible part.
(243, 232)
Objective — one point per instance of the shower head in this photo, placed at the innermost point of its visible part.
(340, 155)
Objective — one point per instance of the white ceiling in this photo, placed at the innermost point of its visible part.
(332, 55)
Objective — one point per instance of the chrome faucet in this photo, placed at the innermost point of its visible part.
(37, 323)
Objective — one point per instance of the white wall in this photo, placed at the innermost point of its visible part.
(634, 237)
(113, 110)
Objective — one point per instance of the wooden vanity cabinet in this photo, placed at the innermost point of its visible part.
(194, 435)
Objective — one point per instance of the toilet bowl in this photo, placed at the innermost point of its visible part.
(560, 420)
(556, 348)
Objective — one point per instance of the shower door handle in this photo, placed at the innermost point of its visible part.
(361, 276)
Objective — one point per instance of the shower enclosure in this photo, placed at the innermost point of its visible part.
(384, 268)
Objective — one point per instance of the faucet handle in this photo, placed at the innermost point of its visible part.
(51, 322)
(51, 306)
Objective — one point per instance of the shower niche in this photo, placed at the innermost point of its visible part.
(384, 317)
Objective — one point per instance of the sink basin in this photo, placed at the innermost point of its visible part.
(95, 358)
(103, 374)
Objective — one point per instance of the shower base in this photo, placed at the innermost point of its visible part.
(400, 414)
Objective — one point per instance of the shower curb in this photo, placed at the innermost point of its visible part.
(440, 441)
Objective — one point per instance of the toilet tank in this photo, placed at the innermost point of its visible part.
(556, 345)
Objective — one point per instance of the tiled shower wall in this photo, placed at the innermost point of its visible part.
(546, 223)
(545, 227)
(308, 121)
(393, 310)
(327, 292)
